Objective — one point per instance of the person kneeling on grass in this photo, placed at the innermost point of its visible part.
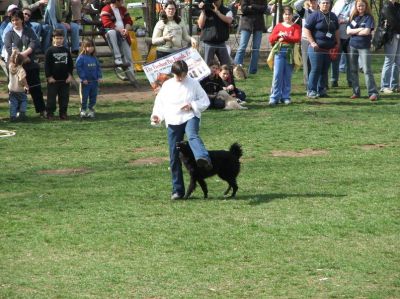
(179, 103)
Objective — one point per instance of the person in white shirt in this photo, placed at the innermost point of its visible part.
(179, 103)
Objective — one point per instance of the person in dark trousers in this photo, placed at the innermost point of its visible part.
(58, 68)
(24, 39)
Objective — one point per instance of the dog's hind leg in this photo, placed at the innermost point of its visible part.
(192, 186)
(232, 184)
(203, 186)
(227, 190)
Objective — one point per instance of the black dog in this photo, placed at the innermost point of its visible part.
(225, 164)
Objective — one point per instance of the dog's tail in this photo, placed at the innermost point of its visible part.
(236, 150)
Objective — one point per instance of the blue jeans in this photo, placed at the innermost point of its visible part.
(343, 52)
(18, 103)
(47, 34)
(89, 92)
(281, 82)
(220, 50)
(391, 65)
(255, 50)
(365, 59)
(317, 79)
(175, 134)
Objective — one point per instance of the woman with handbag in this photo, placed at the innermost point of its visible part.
(390, 71)
(322, 31)
(360, 28)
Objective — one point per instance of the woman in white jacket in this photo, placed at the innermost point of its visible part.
(170, 33)
(179, 103)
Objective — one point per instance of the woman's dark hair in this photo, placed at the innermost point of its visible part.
(179, 67)
(163, 14)
(17, 14)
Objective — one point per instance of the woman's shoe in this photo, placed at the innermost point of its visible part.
(354, 96)
(373, 97)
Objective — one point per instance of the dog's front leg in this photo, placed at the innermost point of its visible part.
(203, 186)
(192, 186)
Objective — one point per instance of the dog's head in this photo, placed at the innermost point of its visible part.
(183, 147)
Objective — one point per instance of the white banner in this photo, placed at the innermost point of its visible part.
(159, 70)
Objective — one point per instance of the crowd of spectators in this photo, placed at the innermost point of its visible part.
(342, 29)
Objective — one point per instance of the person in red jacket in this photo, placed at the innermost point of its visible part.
(117, 22)
(283, 37)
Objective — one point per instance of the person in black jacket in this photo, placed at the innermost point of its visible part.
(214, 22)
(251, 22)
(390, 70)
(58, 68)
(24, 39)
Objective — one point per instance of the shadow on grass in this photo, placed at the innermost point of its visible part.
(266, 198)
(256, 199)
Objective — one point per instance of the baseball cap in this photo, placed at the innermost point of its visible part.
(12, 7)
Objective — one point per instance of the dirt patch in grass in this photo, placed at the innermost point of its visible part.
(147, 149)
(148, 161)
(65, 171)
(373, 146)
(303, 153)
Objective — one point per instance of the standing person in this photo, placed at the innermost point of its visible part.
(17, 87)
(181, 115)
(58, 67)
(391, 65)
(251, 22)
(360, 29)
(322, 31)
(304, 8)
(342, 10)
(170, 32)
(214, 21)
(286, 34)
(24, 39)
(88, 69)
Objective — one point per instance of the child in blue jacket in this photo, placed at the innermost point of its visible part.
(88, 69)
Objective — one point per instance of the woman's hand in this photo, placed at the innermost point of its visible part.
(51, 80)
(187, 107)
(155, 119)
(193, 41)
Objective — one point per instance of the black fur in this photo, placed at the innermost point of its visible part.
(226, 165)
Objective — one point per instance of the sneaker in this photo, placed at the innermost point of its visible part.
(118, 61)
(42, 114)
(13, 118)
(312, 95)
(387, 90)
(63, 117)
(373, 97)
(82, 114)
(272, 104)
(176, 196)
(22, 116)
(50, 116)
(324, 95)
(354, 96)
(204, 163)
(287, 102)
(335, 84)
(91, 113)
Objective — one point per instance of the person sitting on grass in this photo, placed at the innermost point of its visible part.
(229, 84)
(17, 87)
(212, 85)
(182, 115)
(58, 67)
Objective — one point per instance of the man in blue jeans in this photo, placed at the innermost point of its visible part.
(179, 103)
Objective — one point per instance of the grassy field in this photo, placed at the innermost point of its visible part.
(85, 208)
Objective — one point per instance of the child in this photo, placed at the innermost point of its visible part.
(212, 85)
(17, 86)
(58, 68)
(88, 69)
(286, 34)
(229, 84)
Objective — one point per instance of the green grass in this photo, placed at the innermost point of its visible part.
(323, 226)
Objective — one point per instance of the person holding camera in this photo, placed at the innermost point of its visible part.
(214, 21)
